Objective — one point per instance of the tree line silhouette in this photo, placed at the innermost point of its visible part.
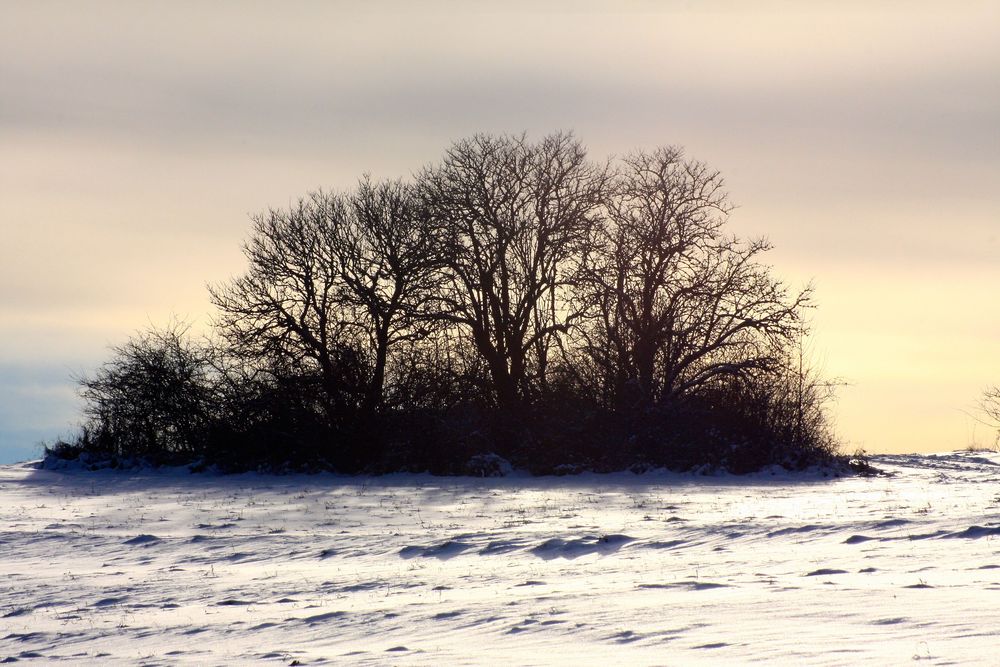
(516, 300)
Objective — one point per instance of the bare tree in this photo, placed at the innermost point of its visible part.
(286, 306)
(673, 303)
(514, 217)
(386, 260)
(332, 285)
(990, 407)
(991, 404)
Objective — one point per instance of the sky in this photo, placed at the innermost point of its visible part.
(861, 138)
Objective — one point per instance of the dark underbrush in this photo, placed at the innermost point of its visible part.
(165, 401)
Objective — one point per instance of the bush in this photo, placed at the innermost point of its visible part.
(157, 394)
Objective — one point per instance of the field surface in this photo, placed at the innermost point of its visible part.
(794, 569)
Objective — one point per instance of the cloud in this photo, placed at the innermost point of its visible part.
(267, 76)
(138, 136)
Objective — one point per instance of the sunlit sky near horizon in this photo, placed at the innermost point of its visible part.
(862, 138)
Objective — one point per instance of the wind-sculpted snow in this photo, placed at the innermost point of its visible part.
(169, 567)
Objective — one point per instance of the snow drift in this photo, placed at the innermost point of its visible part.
(169, 567)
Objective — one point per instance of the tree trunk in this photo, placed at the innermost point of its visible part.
(374, 396)
(645, 358)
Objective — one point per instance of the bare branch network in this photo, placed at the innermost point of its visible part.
(513, 290)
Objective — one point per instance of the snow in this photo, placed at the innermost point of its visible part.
(168, 567)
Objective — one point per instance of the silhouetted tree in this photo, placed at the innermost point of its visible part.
(385, 254)
(514, 219)
(287, 306)
(673, 303)
(991, 403)
(333, 284)
(991, 409)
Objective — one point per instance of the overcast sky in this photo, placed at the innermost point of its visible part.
(862, 138)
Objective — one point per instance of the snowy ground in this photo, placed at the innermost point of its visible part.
(122, 568)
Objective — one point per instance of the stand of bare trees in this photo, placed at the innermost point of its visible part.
(516, 297)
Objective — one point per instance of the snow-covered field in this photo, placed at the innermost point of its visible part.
(168, 567)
